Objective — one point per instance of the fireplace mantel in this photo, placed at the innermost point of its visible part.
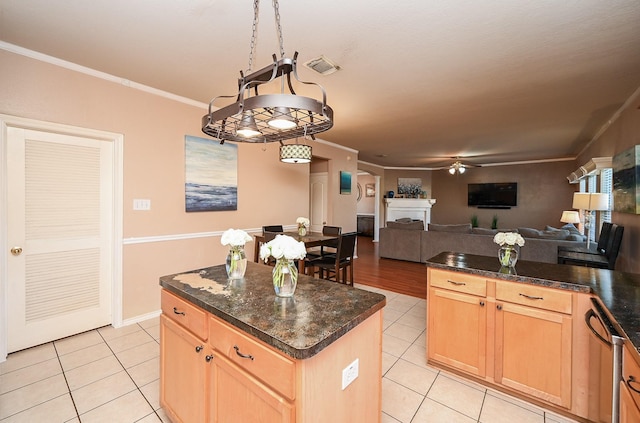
(414, 208)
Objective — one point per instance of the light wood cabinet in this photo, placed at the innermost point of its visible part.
(227, 375)
(183, 368)
(511, 334)
(630, 387)
(458, 327)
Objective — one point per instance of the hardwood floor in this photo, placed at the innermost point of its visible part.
(404, 277)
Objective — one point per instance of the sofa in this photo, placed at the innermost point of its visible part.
(409, 241)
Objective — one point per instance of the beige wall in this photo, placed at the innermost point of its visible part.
(623, 134)
(543, 193)
(366, 205)
(269, 192)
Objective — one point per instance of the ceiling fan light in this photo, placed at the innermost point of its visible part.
(282, 119)
(247, 127)
(452, 170)
(461, 169)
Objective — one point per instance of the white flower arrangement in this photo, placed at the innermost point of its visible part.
(235, 237)
(303, 222)
(509, 238)
(283, 246)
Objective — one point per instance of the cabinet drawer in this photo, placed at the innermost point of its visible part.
(259, 360)
(534, 296)
(631, 369)
(187, 315)
(460, 282)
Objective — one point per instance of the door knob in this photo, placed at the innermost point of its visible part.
(16, 251)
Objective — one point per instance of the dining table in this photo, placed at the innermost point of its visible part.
(310, 239)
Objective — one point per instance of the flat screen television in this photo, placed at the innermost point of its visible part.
(493, 195)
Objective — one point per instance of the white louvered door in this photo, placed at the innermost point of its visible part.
(59, 214)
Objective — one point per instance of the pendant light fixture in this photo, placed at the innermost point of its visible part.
(261, 118)
(458, 167)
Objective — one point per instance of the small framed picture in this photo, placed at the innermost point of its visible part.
(370, 190)
(345, 182)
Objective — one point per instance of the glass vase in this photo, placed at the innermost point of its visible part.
(285, 277)
(508, 256)
(236, 262)
(302, 230)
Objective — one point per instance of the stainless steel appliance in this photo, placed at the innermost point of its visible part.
(605, 365)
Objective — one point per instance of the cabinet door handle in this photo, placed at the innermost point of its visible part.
(630, 381)
(499, 306)
(481, 303)
(531, 297)
(250, 357)
(208, 358)
(175, 311)
(199, 348)
(456, 283)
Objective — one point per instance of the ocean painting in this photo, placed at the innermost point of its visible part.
(626, 181)
(211, 182)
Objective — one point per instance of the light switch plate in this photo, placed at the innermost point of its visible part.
(141, 204)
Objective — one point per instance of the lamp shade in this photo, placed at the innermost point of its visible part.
(590, 201)
(295, 153)
(570, 216)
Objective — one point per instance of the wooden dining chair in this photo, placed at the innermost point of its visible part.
(272, 228)
(328, 249)
(335, 268)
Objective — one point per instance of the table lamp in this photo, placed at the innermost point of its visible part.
(589, 202)
(570, 216)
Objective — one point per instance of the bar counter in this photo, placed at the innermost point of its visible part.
(317, 315)
(618, 291)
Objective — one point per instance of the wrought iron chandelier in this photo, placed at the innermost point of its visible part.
(257, 118)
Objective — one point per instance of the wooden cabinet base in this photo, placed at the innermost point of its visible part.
(216, 382)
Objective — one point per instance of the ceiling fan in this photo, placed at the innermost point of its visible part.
(457, 166)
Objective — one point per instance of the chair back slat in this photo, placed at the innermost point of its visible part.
(615, 240)
(346, 247)
(605, 233)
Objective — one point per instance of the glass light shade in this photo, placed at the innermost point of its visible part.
(282, 119)
(295, 153)
(247, 127)
(452, 170)
(461, 170)
(570, 216)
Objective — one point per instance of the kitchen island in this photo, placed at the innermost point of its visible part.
(233, 351)
(533, 332)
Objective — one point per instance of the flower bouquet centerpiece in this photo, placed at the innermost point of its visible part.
(236, 259)
(303, 225)
(285, 250)
(508, 253)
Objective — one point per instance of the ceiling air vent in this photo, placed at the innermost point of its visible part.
(322, 65)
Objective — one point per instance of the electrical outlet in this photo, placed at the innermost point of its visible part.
(349, 374)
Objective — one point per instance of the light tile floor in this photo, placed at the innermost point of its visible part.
(111, 375)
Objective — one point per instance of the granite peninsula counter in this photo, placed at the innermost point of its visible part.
(543, 334)
(618, 291)
(233, 351)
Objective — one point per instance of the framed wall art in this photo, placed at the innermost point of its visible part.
(370, 190)
(345, 182)
(211, 175)
(626, 181)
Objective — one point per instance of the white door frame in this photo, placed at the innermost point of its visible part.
(117, 171)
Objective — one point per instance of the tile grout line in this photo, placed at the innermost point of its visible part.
(66, 381)
(129, 375)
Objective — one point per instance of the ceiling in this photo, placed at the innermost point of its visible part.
(495, 81)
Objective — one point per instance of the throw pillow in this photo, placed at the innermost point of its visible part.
(529, 232)
(560, 235)
(404, 220)
(461, 228)
(484, 231)
(411, 225)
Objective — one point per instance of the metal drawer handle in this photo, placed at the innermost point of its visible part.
(175, 310)
(208, 358)
(456, 283)
(630, 381)
(531, 297)
(250, 357)
(481, 303)
(199, 348)
(499, 306)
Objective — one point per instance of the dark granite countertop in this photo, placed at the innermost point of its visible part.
(619, 292)
(319, 313)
